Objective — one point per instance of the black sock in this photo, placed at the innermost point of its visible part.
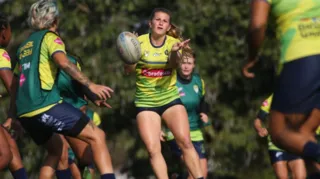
(63, 174)
(108, 176)
(311, 150)
(20, 174)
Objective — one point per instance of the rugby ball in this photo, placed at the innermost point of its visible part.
(129, 48)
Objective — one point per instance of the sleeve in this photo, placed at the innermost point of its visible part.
(265, 108)
(5, 61)
(203, 87)
(204, 106)
(53, 43)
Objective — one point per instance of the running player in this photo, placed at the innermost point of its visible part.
(157, 95)
(295, 113)
(192, 91)
(37, 98)
(74, 93)
(281, 160)
(9, 154)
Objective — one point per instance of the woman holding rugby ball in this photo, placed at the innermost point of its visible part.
(157, 95)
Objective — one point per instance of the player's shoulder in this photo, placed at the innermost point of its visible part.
(143, 38)
(4, 54)
(51, 37)
(2, 51)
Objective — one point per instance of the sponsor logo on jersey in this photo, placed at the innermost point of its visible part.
(181, 93)
(146, 53)
(156, 54)
(6, 56)
(156, 72)
(166, 52)
(22, 79)
(58, 41)
(196, 88)
(265, 103)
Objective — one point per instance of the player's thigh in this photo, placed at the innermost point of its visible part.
(298, 168)
(149, 127)
(177, 121)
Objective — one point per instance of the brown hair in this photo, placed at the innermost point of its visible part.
(160, 9)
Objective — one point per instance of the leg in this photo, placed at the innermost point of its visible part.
(82, 151)
(63, 162)
(298, 168)
(15, 166)
(291, 135)
(97, 140)
(5, 153)
(54, 147)
(177, 121)
(149, 126)
(63, 170)
(280, 169)
(70, 121)
(204, 167)
(76, 174)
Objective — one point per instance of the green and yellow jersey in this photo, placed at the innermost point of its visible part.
(191, 94)
(263, 113)
(155, 78)
(71, 90)
(36, 71)
(298, 27)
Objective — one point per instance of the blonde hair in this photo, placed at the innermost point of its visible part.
(43, 14)
(175, 32)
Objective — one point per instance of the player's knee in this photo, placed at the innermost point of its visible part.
(185, 142)
(153, 149)
(97, 137)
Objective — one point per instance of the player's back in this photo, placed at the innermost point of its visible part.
(298, 27)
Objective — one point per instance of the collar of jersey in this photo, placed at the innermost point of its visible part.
(164, 41)
(183, 80)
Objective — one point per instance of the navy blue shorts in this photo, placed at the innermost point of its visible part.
(297, 87)
(198, 145)
(277, 156)
(161, 109)
(62, 118)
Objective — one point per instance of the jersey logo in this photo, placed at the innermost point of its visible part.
(156, 72)
(6, 56)
(278, 154)
(58, 41)
(265, 103)
(166, 52)
(196, 88)
(146, 53)
(22, 79)
(156, 54)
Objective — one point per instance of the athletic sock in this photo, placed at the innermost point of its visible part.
(108, 176)
(311, 150)
(63, 174)
(20, 174)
